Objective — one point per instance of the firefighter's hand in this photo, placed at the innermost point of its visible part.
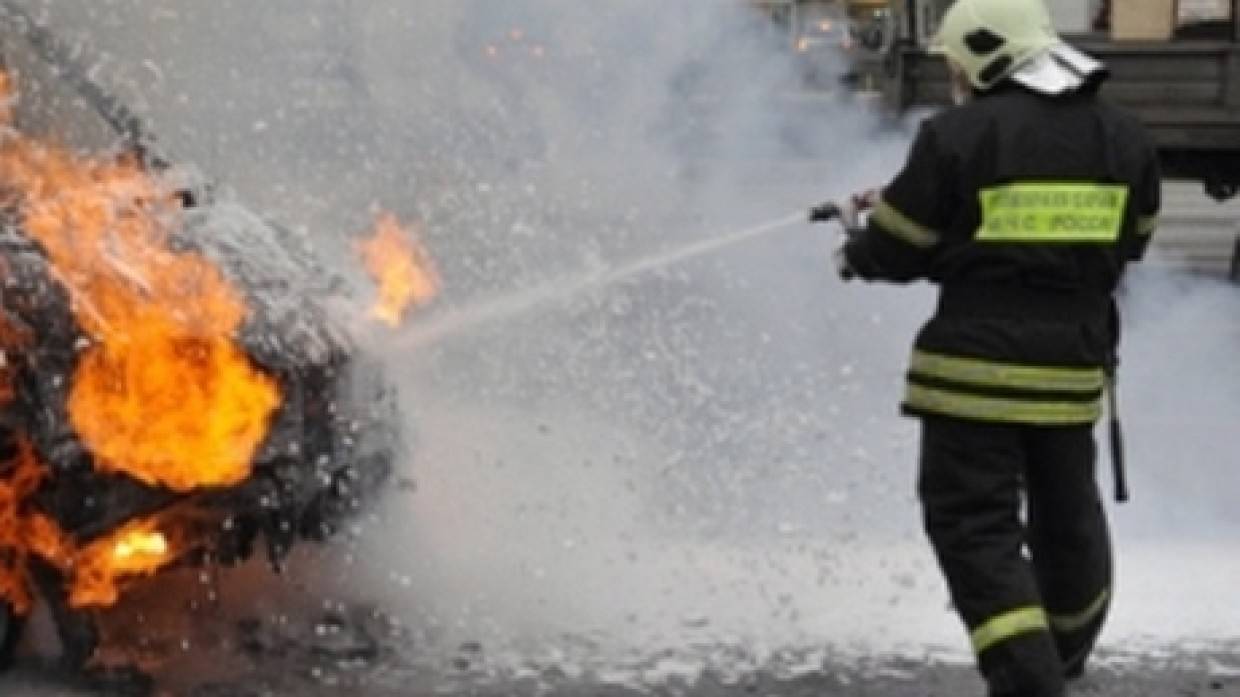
(865, 200)
(858, 203)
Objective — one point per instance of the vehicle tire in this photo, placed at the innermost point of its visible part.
(79, 637)
(11, 626)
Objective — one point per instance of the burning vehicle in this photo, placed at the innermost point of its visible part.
(173, 387)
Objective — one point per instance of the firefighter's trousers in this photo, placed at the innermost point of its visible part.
(1015, 517)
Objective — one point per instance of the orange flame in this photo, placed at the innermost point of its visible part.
(8, 97)
(401, 267)
(94, 571)
(22, 477)
(164, 394)
(136, 549)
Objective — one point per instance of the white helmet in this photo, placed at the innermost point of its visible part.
(993, 40)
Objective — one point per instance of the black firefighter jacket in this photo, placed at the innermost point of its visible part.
(1025, 210)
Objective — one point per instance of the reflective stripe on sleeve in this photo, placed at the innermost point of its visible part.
(1001, 409)
(900, 226)
(1007, 625)
(977, 371)
(1082, 619)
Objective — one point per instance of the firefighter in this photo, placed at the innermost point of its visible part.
(1024, 203)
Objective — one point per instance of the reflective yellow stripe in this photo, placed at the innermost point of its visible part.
(1082, 619)
(1052, 212)
(1009, 624)
(1004, 409)
(977, 371)
(902, 227)
(1147, 224)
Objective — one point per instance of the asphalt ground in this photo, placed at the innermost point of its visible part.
(1188, 674)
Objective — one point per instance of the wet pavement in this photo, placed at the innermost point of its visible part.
(1180, 675)
(278, 645)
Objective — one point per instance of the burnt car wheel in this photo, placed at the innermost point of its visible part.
(11, 626)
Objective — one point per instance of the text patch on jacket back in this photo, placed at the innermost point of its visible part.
(1042, 212)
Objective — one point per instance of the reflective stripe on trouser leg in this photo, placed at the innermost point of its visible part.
(1006, 625)
(1075, 633)
(1075, 622)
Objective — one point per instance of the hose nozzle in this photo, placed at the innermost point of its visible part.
(825, 212)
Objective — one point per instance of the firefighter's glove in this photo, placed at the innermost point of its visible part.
(851, 210)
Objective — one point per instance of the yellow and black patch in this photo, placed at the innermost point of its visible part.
(1050, 212)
